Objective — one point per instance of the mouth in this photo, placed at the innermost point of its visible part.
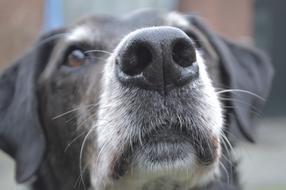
(169, 147)
(164, 145)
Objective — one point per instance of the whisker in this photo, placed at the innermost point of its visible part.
(241, 103)
(78, 180)
(81, 155)
(242, 91)
(73, 140)
(99, 51)
(72, 110)
(227, 145)
(235, 100)
(79, 126)
(226, 172)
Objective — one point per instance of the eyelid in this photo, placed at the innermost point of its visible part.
(72, 48)
(81, 46)
(73, 60)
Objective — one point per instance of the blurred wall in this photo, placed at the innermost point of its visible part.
(73, 9)
(232, 19)
(20, 23)
(270, 30)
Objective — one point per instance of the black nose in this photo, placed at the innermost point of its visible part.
(157, 58)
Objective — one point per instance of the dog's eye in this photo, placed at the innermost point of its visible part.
(76, 58)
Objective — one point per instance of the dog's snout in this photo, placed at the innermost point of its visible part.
(158, 58)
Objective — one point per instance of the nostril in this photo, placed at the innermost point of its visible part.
(183, 53)
(135, 59)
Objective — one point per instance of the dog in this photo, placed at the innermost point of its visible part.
(150, 100)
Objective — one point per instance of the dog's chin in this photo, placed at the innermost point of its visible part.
(163, 159)
(169, 162)
(164, 151)
(167, 156)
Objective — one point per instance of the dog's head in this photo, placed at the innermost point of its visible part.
(128, 102)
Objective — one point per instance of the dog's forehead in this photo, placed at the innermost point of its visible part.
(107, 29)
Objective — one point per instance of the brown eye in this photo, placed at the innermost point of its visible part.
(76, 58)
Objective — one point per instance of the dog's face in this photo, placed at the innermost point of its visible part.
(140, 90)
(124, 103)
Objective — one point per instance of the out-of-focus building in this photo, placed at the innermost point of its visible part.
(20, 24)
(232, 19)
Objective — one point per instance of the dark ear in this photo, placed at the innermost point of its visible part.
(249, 70)
(21, 134)
(245, 70)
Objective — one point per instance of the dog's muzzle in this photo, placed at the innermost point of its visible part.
(160, 110)
(160, 59)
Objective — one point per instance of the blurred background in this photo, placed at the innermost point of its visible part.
(256, 22)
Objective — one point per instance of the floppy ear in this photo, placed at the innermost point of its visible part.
(247, 73)
(21, 135)
(249, 70)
